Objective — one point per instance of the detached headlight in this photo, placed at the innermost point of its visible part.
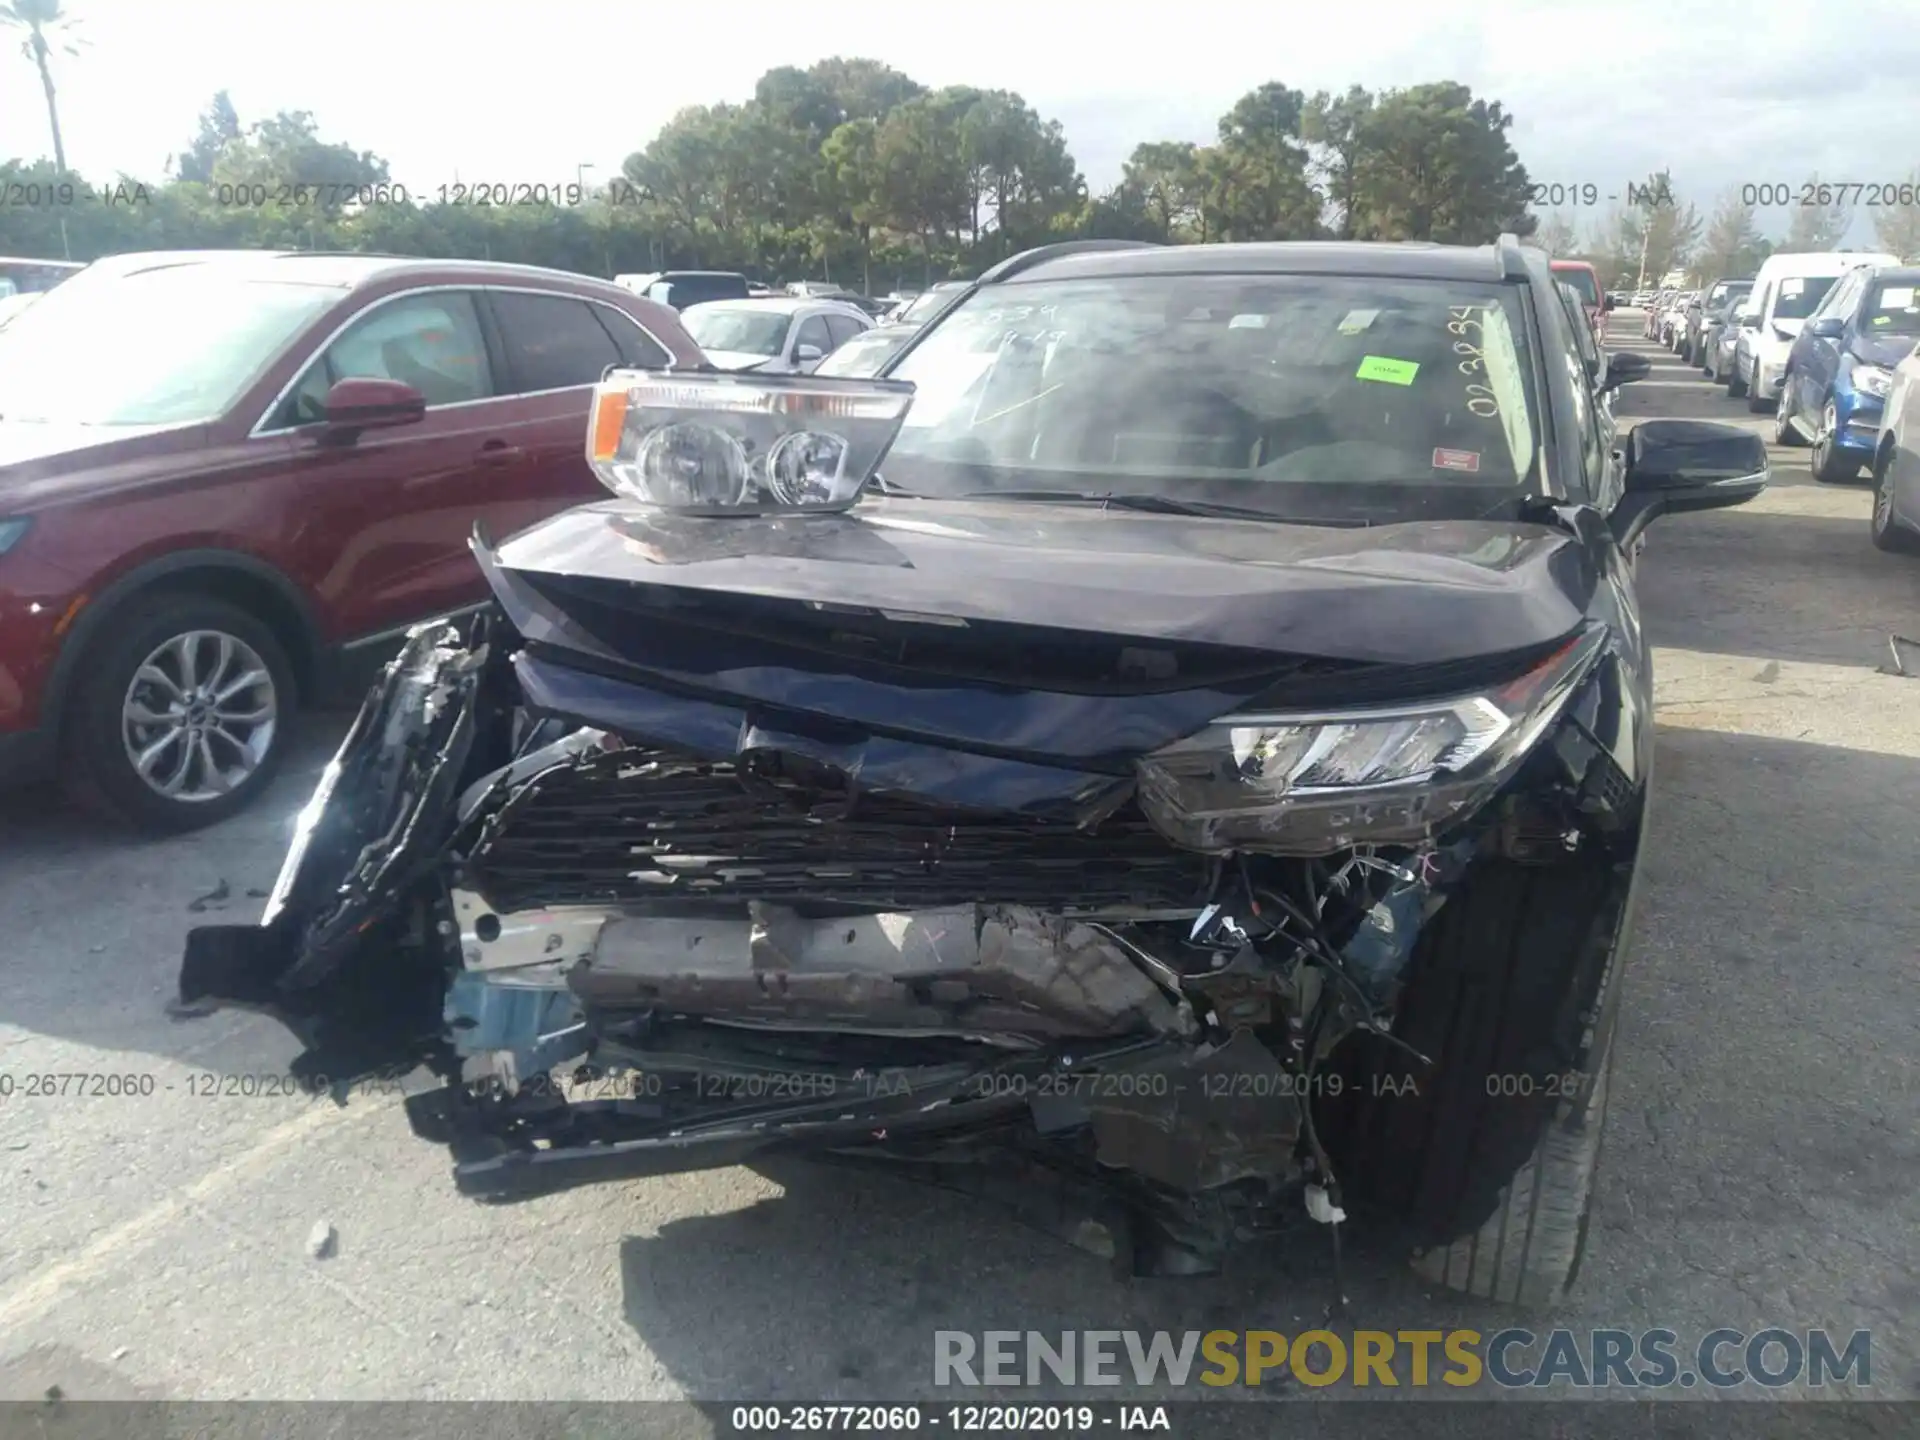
(1867, 379)
(1308, 784)
(721, 444)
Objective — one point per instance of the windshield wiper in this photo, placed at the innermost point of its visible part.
(1159, 505)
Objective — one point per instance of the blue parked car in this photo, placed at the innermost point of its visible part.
(1841, 368)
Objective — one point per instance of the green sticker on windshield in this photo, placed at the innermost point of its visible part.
(1392, 372)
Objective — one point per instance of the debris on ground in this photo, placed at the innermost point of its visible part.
(322, 1240)
(1905, 661)
(121, 1353)
(216, 896)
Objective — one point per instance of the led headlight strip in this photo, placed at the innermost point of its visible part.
(1313, 783)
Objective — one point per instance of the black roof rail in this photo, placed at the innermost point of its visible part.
(1040, 254)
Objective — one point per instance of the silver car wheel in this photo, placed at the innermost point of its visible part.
(199, 716)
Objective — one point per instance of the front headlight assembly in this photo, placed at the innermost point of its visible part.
(1313, 783)
(1872, 381)
(703, 443)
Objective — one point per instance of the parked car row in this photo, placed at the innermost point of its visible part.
(1827, 342)
(683, 288)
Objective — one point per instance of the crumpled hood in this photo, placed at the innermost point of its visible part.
(1397, 594)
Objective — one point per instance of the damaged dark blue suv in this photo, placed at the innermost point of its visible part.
(1181, 733)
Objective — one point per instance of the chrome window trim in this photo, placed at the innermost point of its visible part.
(261, 428)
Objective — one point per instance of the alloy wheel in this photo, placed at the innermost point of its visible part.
(1883, 501)
(199, 716)
(1783, 431)
(1823, 440)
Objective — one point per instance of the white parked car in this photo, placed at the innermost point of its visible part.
(780, 335)
(1673, 319)
(1787, 290)
(1896, 463)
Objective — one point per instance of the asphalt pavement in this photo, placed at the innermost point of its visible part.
(1762, 1158)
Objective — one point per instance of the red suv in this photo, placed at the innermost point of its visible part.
(224, 474)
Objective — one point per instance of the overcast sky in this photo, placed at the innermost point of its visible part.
(1722, 92)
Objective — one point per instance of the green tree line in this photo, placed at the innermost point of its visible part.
(847, 170)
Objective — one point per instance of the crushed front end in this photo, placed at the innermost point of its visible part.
(663, 877)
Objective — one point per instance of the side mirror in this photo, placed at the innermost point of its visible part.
(808, 354)
(1680, 465)
(1827, 328)
(1624, 367)
(368, 403)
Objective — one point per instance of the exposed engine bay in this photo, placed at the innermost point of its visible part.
(622, 959)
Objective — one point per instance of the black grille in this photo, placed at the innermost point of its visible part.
(640, 826)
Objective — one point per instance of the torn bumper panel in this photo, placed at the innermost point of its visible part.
(636, 917)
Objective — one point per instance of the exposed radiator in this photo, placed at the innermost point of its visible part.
(639, 825)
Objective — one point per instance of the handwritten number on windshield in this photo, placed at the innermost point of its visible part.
(1481, 400)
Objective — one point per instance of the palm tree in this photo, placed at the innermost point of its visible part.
(48, 29)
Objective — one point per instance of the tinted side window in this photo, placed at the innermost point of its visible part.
(1562, 346)
(432, 342)
(1582, 331)
(843, 328)
(636, 346)
(1852, 289)
(553, 341)
(813, 331)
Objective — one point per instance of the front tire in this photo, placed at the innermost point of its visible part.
(1831, 464)
(1736, 387)
(183, 714)
(1490, 1164)
(1888, 533)
(1783, 430)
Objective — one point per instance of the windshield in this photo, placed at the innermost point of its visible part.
(1583, 283)
(167, 347)
(1800, 295)
(862, 355)
(921, 310)
(1890, 310)
(736, 329)
(1308, 396)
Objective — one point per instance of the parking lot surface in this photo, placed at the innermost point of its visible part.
(1762, 1157)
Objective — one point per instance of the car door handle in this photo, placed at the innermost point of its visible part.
(498, 452)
